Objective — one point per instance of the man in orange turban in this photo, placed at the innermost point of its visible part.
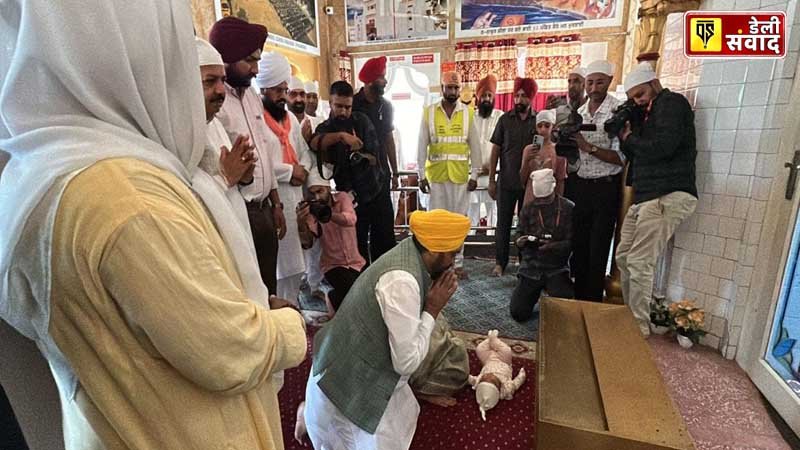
(485, 123)
(449, 155)
(399, 297)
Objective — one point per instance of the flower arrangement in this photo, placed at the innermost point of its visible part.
(687, 319)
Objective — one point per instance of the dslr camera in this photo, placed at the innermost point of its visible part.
(626, 112)
(564, 136)
(319, 209)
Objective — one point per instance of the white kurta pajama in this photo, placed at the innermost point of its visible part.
(397, 293)
(485, 127)
(453, 197)
(291, 261)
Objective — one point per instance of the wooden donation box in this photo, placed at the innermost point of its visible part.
(598, 386)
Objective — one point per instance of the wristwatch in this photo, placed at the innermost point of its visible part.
(277, 205)
(593, 150)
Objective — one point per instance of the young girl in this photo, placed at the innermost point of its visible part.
(535, 158)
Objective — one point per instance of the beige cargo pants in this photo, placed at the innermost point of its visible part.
(647, 228)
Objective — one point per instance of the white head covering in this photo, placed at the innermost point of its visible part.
(312, 87)
(207, 54)
(487, 395)
(642, 73)
(578, 70)
(546, 115)
(543, 182)
(71, 96)
(296, 85)
(273, 69)
(601, 66)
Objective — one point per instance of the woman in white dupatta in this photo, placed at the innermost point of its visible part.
(81, 82)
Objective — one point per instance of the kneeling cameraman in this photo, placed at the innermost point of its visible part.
(662, 151)
(545, 229)
(348, 142)
(332, 219)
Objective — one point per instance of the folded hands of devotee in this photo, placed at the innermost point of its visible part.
(238, 163)
(306, 130)
(440, 292)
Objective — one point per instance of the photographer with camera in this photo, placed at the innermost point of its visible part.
(659, 140)
(597, 185)
(347, 141)
(544, 230)
(331, 219)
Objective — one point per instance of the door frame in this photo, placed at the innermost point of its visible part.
(768, 275)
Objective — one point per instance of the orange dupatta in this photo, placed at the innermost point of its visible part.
(282, 131)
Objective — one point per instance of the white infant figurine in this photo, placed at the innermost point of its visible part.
(494, 382)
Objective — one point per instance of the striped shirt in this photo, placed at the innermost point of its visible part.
(592, 167)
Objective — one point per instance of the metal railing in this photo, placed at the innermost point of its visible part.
(403, 228)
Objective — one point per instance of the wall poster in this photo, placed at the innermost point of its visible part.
(482, 18)
(291, 23)
(390, 21)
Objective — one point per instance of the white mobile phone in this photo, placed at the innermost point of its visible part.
(538, 140)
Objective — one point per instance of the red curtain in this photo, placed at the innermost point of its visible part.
(345, 67)
(549, 61)
(475, 60)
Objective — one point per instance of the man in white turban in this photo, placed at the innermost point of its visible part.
(108, 261)
(595, 186)
(293, 165)
(296, 101)
(544, 236)
(662, 150)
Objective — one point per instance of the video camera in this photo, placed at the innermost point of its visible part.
(353, 170)
(564, 136)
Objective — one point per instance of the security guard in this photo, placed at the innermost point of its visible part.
(448, 146)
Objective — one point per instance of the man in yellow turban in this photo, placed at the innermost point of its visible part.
(388, 341)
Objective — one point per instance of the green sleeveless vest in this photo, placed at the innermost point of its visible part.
(352, 350)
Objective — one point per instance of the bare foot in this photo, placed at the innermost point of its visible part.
(300, 425)
(497, 271)
(461, 273)
(438, 400)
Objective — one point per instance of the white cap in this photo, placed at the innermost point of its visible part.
(312, 87)
(207, 55)
(273, 69)
(578, 70)
(546, 115)
(296, 85)
(642, 73)
(543, 182)
(487, 395)
(601, 66)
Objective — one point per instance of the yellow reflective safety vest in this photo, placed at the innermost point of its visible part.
(448, 150)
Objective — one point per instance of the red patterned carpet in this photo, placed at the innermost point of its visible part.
(509, 426)
(722, 408)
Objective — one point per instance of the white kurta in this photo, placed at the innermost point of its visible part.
(485, 128)
(290, 253)
(397, 293)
